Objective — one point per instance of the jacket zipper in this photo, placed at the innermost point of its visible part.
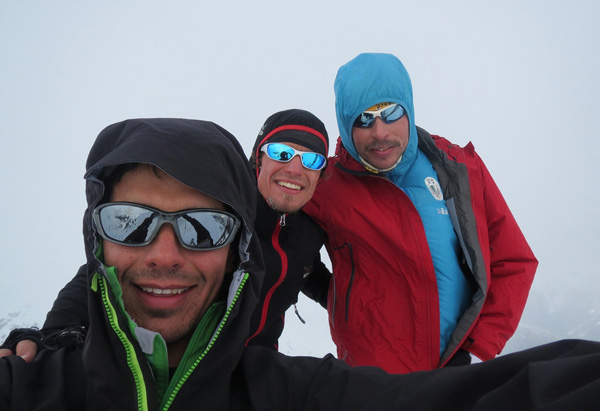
(282, 224)
(132, 360)
(282, 275)
(208, 347)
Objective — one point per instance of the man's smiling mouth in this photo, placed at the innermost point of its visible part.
(164, 291)
(289, 185)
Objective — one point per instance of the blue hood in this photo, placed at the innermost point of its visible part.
(369, 79)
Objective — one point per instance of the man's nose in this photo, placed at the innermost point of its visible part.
(165, 251)
(295, 165)
(379, 129)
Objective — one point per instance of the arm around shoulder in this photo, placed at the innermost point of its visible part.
(317, 283)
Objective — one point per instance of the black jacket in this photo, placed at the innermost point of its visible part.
(203, 156)
(110, 371)
(290, 245)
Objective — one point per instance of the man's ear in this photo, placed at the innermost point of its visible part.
(258, 166)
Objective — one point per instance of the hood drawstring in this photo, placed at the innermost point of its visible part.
(376, 170)
(298, 314)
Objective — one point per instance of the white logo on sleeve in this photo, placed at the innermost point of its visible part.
(434, 188)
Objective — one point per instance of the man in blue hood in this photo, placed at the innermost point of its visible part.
(429, 264)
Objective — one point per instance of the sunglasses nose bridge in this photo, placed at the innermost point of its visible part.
(296, 164)
(294, 153)
(167, 219)
(381, 116)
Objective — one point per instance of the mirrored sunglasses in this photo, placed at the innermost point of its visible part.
(283, 153)
(387, 114)
(136, 225)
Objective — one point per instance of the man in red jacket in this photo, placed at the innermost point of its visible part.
(429, 264)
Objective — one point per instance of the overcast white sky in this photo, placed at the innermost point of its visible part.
(517, 78)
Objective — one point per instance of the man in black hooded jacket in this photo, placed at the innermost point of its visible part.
(290, 240)
(180, 174)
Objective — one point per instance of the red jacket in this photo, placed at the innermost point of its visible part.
(383, 302)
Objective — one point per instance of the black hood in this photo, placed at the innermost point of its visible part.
(200, 154)
(205, 157)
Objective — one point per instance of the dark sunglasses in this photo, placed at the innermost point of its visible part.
(136, 225)
(387, 114)
(283, 153)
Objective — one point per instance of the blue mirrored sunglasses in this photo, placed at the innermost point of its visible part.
(387, 114)
(283, 153)
(136, 225)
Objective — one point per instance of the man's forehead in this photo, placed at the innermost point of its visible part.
(149, 185)
(296, 146)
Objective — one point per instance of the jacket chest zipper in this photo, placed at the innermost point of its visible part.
(167, 404)
(283, 257)
(132, 360)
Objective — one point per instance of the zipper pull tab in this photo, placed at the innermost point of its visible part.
(298, 314)
(282, 220)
